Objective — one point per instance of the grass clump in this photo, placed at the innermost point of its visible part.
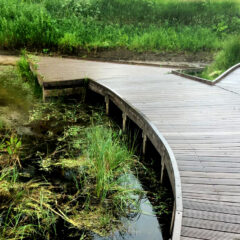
(229, 56)
(23, 210)
(99, 174)
(109, 159)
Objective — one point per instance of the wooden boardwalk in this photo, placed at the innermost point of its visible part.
(194, 126)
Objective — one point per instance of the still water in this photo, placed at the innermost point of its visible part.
(144, 226)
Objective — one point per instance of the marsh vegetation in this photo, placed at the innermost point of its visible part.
(65, 167)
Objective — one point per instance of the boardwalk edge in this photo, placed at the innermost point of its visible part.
(203, 80)
(158, 141)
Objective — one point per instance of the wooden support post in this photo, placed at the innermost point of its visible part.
(43, 94)
(107, 104)
(173, 218)
(162, 163)
(144, 136)
(124, 117)
(162, 169)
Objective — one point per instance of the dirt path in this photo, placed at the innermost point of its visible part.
(8, 60)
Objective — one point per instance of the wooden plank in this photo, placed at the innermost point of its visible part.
(221, 217)
(211, 225)
(187, 238)
(208, 234)
(211, 207)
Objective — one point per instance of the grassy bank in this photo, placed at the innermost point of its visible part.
(70, 26)
(226, 58)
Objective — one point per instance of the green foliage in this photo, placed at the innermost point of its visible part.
(25, 24)
(73, 25)
(229, 56)
(28, 76)
(76, 175)
(13, 145)
(109, 159)
(28, 215)
(68, 42)
(171, 38)
(10, 147)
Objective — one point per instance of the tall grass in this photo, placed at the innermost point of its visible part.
(109, 159)
(229, 56)
(156, 25)
(27, 76)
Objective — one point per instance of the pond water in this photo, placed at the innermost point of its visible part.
(144, 225)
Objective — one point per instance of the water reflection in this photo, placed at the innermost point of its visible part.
(143, 226)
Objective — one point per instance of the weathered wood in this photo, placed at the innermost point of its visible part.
(193, 233)
(173, 218)
(124, 121)
(64, 84)
(107, 104)
(162, 170)
(144, 136)
(211, 225)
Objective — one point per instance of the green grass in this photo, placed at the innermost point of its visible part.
(70, 26)
(110, 160)
(229, 56)
(28, 77)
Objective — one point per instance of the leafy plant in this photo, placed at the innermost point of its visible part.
(13, 147)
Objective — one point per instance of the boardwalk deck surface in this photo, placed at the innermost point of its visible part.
(201, 123)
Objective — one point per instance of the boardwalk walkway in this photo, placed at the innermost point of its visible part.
(201, 125)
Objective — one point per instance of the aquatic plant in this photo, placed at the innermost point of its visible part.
(109, 159)
(26, 214)
(98, 172)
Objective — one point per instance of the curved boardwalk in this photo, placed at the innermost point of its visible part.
(201, 124)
